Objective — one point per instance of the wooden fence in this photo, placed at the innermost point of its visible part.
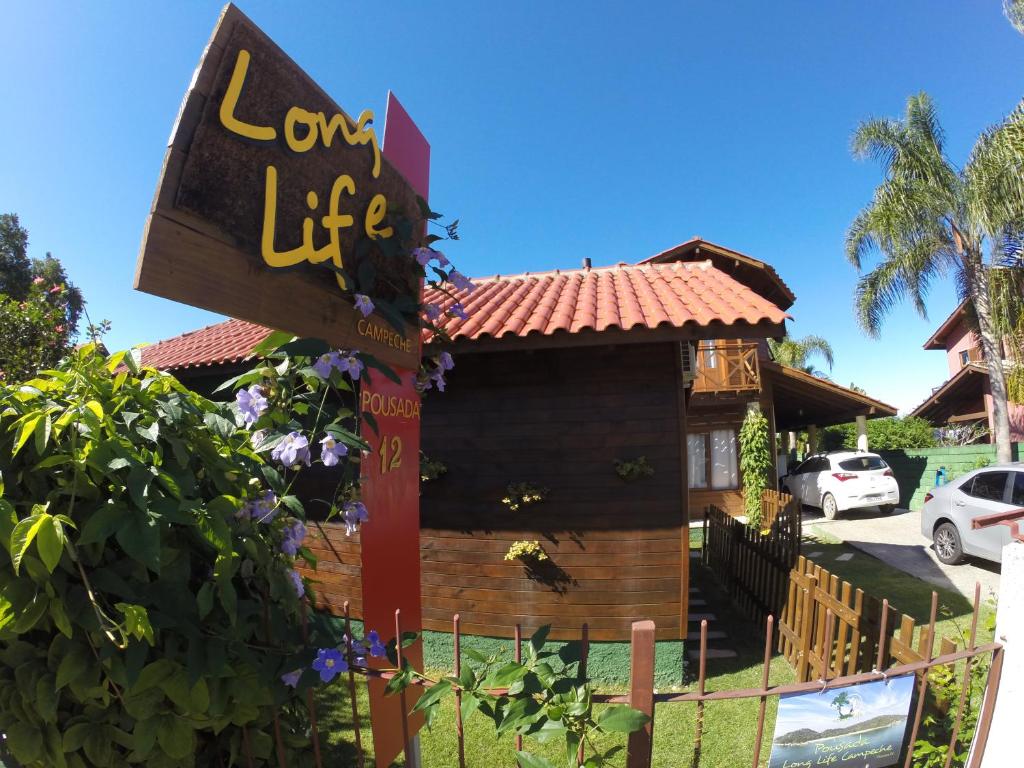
(830, 628)
(755, 565)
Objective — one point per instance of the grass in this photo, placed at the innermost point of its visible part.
(729, 726)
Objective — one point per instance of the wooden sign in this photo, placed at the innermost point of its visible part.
(271, 200)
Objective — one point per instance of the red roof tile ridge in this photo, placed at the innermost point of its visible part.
(584, 271)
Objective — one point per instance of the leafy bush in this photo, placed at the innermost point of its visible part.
(756, 463)
(889, 434)
(147, 610)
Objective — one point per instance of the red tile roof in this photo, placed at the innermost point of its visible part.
(597, 299)
(227, 342)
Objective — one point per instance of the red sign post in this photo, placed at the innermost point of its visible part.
(390, 539)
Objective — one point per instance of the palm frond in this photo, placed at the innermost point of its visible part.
(994, 176)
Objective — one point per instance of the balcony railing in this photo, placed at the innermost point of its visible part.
(727, 367)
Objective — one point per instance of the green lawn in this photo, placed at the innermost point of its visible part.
(728, 726)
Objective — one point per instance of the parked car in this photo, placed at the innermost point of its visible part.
(949, 510)
(843, 480)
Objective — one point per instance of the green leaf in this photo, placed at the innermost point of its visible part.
(219, 425)
(50, 542)
(373, 362)
(23, 534)
(539, 637)
(138, 485)
(42, 433)
(572, 748)
(96, 409)
(139, 536)
(28, 427)
(60, 617)
(102, 523)
(621, 719)
(204, 599)
(74, 736)
(433, 695)
(136, 622)
(72, 666)
(145, 735)
(505, 675)
(47, 698)
(270, 344)
(24, 742)
(98, 747)
(526, 760)
(151, 433)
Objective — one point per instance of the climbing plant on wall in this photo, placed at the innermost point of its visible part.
(756, 463)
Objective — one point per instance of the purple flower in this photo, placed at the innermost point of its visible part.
(300, 588)
(263, 509)
(326, 363)
(331, 450)
(432, 311)
(357, 648)
(294, 535)
(445, 361)
(460, 281)
(251, 403)
(291, 679)
(457, 310)
(351, 365)
(441, 258)
(438, 378)
(423, 255)
(353, 513)
(364, 304)
(377, 649)
(329, 663)
(292, 450)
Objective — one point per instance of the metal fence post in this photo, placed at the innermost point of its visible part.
(641, 693)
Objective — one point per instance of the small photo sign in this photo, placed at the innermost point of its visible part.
(859, 726)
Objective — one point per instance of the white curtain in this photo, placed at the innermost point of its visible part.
(695, 461)
(724, 472)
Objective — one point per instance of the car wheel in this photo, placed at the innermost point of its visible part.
(947, 544)
(887, 509)
(829, 506)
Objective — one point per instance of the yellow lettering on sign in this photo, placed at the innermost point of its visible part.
(378, 405)
(375, 215)
(302, 130)
(383, 335)
(227, 107)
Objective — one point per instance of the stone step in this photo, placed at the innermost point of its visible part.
(712, 653)
(699, 617)
(694, 591)
(713, 634)
(697, 601)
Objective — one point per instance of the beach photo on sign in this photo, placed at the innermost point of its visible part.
(860, 726)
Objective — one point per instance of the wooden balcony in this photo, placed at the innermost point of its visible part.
(727, 367)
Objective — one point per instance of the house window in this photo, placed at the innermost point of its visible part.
(711, 459)
(965, 358)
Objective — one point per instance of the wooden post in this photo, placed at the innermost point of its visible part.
(804, 654)
(641, 693)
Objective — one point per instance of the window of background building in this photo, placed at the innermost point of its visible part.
(712, 460)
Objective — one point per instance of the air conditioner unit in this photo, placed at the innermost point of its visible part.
(688, 362)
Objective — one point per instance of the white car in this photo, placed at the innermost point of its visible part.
(949, 510)
(836, 482)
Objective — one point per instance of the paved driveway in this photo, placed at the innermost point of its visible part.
(897, 540)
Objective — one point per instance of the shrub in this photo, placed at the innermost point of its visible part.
(147, 610)
(756, 463)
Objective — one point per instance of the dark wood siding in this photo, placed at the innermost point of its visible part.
(557, 419)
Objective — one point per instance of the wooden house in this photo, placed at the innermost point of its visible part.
(560, 375)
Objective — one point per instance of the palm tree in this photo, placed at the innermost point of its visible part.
(1014, 10)
(796, 352)
(929, 219)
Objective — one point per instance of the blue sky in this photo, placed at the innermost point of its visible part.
(558, 130)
